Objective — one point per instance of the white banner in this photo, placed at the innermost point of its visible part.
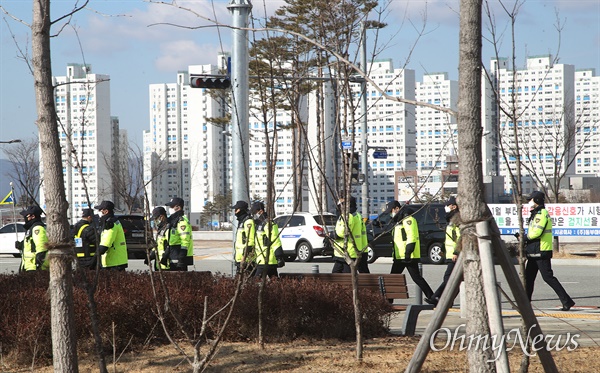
(568, 219)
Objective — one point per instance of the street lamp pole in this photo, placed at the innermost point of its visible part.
(363, 134)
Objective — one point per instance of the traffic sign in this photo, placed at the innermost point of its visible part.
(346, 144)
(380, 154)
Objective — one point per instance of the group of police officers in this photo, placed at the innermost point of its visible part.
(258, 247)
(174, 248)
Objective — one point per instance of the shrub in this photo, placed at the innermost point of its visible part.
(125, 300)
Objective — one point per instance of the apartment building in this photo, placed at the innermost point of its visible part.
(87, 137)
(541, 95)
(185, 155)
(391, 125)
(587, 120)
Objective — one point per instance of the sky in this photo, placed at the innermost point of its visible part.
(137, 44)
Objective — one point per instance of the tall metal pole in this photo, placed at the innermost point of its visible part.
(363, 134)
(240, 191)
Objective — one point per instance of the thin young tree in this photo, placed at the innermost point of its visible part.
(472, 205)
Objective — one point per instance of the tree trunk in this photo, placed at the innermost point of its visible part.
(470, 196)
(64, 344)
(62, 315)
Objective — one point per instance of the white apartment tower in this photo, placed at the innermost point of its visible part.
(184, 154)
(87, 132)
(587, 120)
(391, 125)
(436, 130)
(542, 95)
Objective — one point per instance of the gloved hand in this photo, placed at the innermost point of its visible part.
(19, 245)
(280, 262)
(517, 235)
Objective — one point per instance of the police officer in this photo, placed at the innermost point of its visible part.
(161, 252)
(450, 245)
(244, 238)
(267, 245)
(112, 247)
(84, 235)
(33, 247)
(184, 255)
(538, 247)
(407, 247)
(347, 234)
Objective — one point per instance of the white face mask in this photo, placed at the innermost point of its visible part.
(447, 209)
(531, 204)
(392, 214)
(257, 216)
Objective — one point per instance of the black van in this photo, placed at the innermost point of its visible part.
(137, 235)
(432, 233)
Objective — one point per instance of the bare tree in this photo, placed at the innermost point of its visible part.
(472, 205)
(25, 163)
(64, 340)
(128, 176)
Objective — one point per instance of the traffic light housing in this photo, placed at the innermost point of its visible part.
(210, 81)
(354, 168)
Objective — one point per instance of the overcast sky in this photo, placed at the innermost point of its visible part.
(129, 40)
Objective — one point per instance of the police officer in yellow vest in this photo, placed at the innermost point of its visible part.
(450, 246)
(407, 246)
(84, 235)
(347, 236)
(183, 256)
(539, 250)
(161, 253)
(267, 245)
(112, 247)
(244, 238)
(33, 247)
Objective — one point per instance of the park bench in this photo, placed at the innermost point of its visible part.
(390, 286)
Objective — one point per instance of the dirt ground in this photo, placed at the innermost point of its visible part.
(390, 354)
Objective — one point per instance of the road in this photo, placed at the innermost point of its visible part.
(581, 278)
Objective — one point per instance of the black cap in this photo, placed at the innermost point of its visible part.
(87, 212)
(105, 205)
(32, 210)
(256, 207)
(391, 205)
(175, 201)
(242, 205)
(537, 197)
(158, 211)
(451, 201)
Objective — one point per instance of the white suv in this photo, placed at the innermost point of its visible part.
(303, 234)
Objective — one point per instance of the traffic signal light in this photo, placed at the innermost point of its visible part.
(210, 81)
(354, 168)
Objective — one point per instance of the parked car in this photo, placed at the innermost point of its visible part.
(137, 235)
(432, 225)
(8, 238)
(303, 234)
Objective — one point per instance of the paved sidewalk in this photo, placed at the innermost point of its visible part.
(580, 323)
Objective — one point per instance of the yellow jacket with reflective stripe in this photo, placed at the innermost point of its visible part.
(244, 239)
(263, 237)
(404, 233)
(354, 238)
(540, 226)
(114, 239)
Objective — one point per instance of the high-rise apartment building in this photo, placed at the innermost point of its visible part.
(436, 130)
(185, 155)
(87, 137)
(587, 120)
(391, 125)
(541, 97)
